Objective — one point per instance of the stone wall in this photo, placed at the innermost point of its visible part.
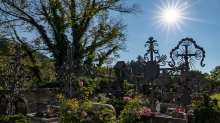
(40, 98)
(37, 97)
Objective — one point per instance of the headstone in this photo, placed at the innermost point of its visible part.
(3, 105)
(21, 106)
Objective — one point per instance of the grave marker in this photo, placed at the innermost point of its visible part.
(3, 105)
(21, 106)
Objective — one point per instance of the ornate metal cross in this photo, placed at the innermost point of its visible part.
(152, 69)
(187, 54)
(67, 72)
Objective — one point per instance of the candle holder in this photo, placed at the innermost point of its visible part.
(50, 109)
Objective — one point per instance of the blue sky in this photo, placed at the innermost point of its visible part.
(197, 19)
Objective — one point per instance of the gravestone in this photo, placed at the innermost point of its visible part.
(21, 106)
(3, 105)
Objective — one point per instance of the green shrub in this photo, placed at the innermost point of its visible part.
(75, 111)
(163, 109)
(118, 105)
(206, 111)
(132, 111)
(16, 118)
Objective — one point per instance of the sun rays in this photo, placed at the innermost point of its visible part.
(171, 16)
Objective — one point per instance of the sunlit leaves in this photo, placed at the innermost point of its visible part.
(84, 23)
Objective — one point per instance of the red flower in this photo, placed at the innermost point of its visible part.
(81, 84)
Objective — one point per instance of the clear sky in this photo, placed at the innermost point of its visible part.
(171, 21)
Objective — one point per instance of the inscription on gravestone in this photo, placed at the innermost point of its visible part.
(21, 106)
(3, 105)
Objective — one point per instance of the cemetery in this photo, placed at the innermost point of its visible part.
(81, 100)
(67, 75)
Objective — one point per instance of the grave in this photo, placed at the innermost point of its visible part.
(21, 106)
(3, 105)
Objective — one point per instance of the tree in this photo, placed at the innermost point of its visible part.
(213, 78)
(206, 112)
(215, 74)
(38, 67)
(84, 24)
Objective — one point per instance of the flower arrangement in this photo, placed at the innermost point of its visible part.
(180, 110)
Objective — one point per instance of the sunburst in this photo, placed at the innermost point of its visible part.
(171, 16)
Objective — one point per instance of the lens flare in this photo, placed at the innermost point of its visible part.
(171, 16)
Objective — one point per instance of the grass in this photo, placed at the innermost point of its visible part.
(216, 96)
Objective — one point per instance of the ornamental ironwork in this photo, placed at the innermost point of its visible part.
(186, 53)
(67, 74)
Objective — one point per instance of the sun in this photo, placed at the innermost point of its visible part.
(171, 16)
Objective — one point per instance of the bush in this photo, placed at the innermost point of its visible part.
(163, 109)
(206, 111)
(132, 111)
(118, 105)
(16, 118)
(75, 111)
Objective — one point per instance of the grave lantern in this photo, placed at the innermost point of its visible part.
(49, 109)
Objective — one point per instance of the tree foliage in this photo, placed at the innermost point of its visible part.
(215, 74)
(84, 24)
(206, 111)
(35, 66)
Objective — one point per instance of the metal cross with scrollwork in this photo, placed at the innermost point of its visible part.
(186, 52)
(66, 74)
(152, 66)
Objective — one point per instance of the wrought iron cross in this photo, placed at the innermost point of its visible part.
(152, 68)
(67, 71)
(187, 54)
(189, 51)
